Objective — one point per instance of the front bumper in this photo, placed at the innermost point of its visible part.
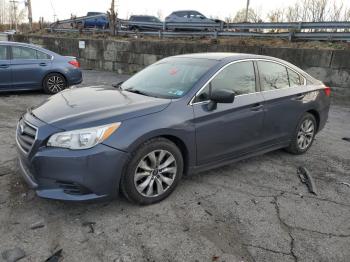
(79, 175)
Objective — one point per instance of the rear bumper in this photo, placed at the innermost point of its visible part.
(69, 175)
(74, 77)
(323, 113)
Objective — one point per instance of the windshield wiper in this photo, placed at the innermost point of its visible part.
(132, 90)
(118, 85)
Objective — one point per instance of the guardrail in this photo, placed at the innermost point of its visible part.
(296, 30)
(329, 36)
(4, 37)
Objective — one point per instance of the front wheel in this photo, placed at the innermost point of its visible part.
(304, 135)
(153, 172)
(54, 83)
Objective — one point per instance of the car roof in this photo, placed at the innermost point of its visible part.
(27, 45)
(231, 57)
(221, 56)
(185, 11)
(142, 16)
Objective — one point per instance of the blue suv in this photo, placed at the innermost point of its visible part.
(29, 67)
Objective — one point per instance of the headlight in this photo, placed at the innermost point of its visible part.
(82, 138)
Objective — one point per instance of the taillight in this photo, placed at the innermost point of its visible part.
(327, 91)
(75, 63)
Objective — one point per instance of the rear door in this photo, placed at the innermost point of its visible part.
(283, 91)
(29, 67)
(5, 68)
(234, 129)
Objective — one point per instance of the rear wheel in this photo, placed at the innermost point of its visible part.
(153, 172)
(304, 135)
(54, 83)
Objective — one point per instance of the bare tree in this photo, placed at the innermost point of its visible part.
(276, 16)
(253, 16)
(314, 11)
(4, 8)
(346, 16)
(335, 12)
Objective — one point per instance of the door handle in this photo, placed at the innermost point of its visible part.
(257, 107)
(43, 64)
(4, 66)
(299, 97)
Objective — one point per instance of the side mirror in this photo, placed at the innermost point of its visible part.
(220, 97)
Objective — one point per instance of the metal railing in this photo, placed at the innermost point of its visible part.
(4, 37)
(296, 30)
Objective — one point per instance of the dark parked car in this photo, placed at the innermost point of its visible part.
(144, 22)
(180, 115)
(29, 67)
(99, 20)
(191, 17)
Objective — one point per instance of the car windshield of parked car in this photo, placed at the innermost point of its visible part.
(170, 78)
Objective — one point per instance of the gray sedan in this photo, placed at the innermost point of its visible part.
(29, 67)
(190, 20)
(181, 115)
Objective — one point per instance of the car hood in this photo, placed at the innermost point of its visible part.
(92, 106)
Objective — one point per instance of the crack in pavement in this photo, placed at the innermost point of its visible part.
(286, 228)
(267, 249)
(278, 192)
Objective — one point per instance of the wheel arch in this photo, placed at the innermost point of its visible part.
(180, 143)
(316, 114)
(183, 148)
(54, 72)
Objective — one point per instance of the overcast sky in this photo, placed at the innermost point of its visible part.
(220, 8)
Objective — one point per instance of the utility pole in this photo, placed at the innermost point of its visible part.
(246, 12)
(30, 16)
(112, 16)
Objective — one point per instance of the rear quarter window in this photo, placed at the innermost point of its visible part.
(42, 55)
(294, 78)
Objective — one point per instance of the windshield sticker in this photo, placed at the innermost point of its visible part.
(173, 71)
(176, 92)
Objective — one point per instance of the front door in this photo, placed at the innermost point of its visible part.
(234, 129)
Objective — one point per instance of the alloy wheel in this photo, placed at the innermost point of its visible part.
(55, 84)
(306, 134)
(155, 173)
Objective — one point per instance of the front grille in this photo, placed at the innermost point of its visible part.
(25, 135)
(73, 188)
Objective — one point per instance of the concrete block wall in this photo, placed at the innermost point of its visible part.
(130, 56)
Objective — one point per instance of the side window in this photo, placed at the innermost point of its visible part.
(273, 76)
(238, 77)
(19, 52)
(294, 78)
(181, 14)
(41, 55)
(3, 52)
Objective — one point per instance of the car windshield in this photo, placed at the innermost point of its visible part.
(170, 78)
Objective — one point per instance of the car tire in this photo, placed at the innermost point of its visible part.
(304, 135)
(152, 172)
(54, 83)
